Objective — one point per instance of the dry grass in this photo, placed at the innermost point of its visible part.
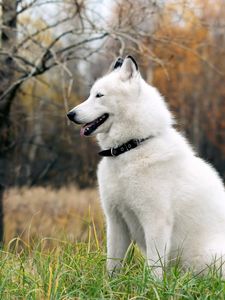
(68, 270)
(44, 212)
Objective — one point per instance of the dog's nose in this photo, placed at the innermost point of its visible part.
(71, 115)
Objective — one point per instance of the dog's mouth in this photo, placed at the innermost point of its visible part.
(88, 128)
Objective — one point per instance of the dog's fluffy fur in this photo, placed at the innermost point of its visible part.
(159, 194)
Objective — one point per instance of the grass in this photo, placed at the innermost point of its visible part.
(77, 271)
(60, 254)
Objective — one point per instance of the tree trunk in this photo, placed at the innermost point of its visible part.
(7, 77)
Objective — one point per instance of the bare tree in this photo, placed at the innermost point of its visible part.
(7, 76)
(24, 55)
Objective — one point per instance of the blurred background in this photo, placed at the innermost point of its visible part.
(51, 52)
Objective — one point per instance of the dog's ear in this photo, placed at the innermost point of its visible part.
(116, 64)
(129, 68)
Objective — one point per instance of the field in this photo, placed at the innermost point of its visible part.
(59, 253)
(44, 212)
(77, 271)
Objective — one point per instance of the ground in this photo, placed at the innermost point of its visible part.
(60, 254)
(45, 212)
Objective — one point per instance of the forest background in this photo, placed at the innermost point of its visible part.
(50, 54)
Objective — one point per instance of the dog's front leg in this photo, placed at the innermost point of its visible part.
(158, 239)
(118, 240)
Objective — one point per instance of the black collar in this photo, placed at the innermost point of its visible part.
(131, 144)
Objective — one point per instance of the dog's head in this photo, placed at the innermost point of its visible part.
(119, 104)
(104, 102)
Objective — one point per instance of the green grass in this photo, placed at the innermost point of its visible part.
(77, 271)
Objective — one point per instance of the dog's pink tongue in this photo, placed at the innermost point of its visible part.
(82, 131)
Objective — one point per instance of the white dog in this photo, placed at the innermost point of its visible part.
(154, 189)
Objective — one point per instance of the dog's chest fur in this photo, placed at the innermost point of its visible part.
(134, 225)
(123, 191)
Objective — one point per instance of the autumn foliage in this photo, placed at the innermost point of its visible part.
(192, 75)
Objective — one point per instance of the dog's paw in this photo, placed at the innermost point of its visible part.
(113, 266)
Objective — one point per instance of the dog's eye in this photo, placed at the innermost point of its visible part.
(99, 95)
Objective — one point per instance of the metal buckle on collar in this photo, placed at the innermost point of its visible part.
(112, 152)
